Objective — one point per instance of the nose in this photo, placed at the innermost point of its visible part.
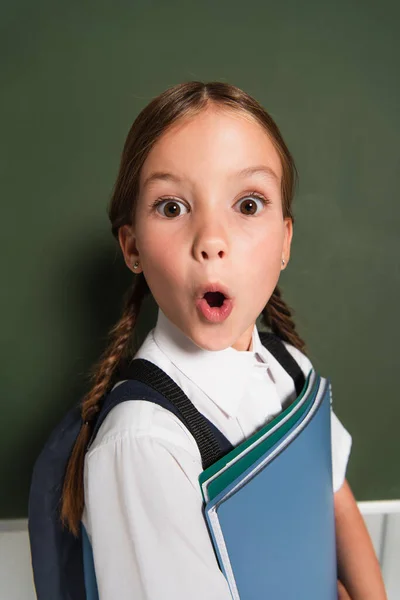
(210, 242)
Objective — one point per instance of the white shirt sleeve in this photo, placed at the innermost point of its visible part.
(341, 440)
(143, 510)
(341, 446)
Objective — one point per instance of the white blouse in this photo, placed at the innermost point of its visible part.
(143, 504)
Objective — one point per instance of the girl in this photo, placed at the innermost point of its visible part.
(202, 205)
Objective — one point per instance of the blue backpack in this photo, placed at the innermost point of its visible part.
(62, 564)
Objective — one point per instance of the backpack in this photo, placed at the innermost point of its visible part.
(62, 563)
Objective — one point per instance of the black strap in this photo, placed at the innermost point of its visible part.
(274, 344)
(151, 375)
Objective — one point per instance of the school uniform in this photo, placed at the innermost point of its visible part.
(143, 504)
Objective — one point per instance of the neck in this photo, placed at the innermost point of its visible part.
(245, 341)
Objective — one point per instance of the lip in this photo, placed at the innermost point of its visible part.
(215, 314)
(213, 287)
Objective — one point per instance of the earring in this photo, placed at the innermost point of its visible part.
(135, 266)
(283, 262)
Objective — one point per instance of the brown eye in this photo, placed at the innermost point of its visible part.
(169, 208)
(251, 205)
(248, 207)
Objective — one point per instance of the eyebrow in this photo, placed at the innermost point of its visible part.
(257, 170)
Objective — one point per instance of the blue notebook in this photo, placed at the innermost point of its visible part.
(273, 526)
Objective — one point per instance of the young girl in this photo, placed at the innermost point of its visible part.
(202, 212)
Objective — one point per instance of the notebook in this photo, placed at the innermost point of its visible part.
(269, 505)
(225, 470)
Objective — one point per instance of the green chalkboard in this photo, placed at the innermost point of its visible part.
(73, 78)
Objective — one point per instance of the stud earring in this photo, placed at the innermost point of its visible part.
(135, 266)
(283, 262)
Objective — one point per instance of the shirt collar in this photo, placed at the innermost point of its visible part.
(222, 375)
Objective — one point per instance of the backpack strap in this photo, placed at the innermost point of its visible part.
(275, 345)
(146, 381)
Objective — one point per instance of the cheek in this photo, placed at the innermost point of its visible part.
(160, 261)
(262, 267)
(266, 248)
(265, 273)
(162, 268)
(153, 249)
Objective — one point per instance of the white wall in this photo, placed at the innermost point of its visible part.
(382, 519)
(383, 522)
(16, 581)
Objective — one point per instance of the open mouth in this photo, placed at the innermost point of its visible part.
(213, 304)
(214, 298)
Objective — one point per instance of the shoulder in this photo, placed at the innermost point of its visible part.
(141, 421)
(302, 360)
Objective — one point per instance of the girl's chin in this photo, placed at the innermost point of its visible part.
(212, 337)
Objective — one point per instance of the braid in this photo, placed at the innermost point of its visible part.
(278, 318)
(120, 334)
(101, 376)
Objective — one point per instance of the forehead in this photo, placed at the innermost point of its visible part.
(215, 141)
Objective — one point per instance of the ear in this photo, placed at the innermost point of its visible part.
(127, 241)
(287, 241)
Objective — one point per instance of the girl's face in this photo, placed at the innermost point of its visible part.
(201, 219)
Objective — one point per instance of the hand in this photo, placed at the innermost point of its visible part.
(342, 592)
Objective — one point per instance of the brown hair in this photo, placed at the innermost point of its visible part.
(180, 101)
